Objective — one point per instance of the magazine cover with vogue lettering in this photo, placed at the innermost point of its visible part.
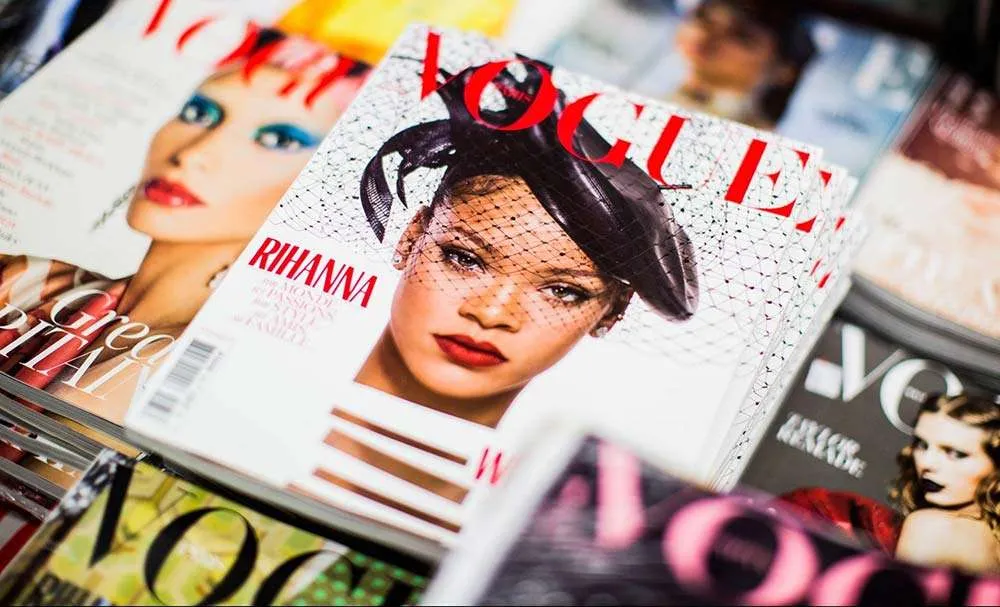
(895, 449)
(484, 238)
(130, 533)
(586, 520)
(133, 171)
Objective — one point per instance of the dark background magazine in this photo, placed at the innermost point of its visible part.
(841, 446)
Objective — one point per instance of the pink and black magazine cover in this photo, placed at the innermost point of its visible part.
(134, 168)
(482, 237)
(895, 449)
(602, 526)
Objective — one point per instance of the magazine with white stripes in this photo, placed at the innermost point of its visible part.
(481, 241)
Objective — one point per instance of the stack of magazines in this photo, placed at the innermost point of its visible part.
(580, 520)
(480, 241)
(287, 292)
(87, 311)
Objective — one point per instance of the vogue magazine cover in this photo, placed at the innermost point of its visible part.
(97, 286)
(895, 449)
(598, 525)
(770, 65)
(481, 239)
(934, 205)
(131, 534)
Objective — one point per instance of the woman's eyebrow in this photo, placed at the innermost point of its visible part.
(473, 236)
(944, 445)
(575, 272)
(543, 269)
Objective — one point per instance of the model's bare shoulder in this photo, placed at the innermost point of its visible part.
(937, 537)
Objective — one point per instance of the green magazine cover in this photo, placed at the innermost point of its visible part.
(131, 534)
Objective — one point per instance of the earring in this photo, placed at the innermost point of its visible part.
(600, 332)
(397, 259)
(213, 282)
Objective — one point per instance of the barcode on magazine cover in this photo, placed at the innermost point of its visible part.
(191, 364)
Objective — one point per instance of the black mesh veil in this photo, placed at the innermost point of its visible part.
(615, 214)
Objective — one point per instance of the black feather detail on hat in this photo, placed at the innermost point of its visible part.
(616, 215)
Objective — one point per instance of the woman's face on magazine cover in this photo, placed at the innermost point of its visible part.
(949, 458)
(493, 292)
(725, 50)
(216, 170)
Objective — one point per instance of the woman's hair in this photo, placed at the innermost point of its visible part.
(616, 215)
(977, 412)
(794, 44)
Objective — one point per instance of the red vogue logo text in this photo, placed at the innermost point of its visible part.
(542, 104)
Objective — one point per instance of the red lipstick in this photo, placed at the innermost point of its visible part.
(169, 194)
(467, 352)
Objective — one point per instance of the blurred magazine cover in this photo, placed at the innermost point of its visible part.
(593, 523)
(365, 29)
(129, 533)
(161, 142)
(771, 65)
(934, 207)
(16, 528)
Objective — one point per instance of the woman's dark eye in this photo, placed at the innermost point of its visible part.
(956, 454)
(566, 294)
(919, 445)
(200, 111)
(461, 259)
